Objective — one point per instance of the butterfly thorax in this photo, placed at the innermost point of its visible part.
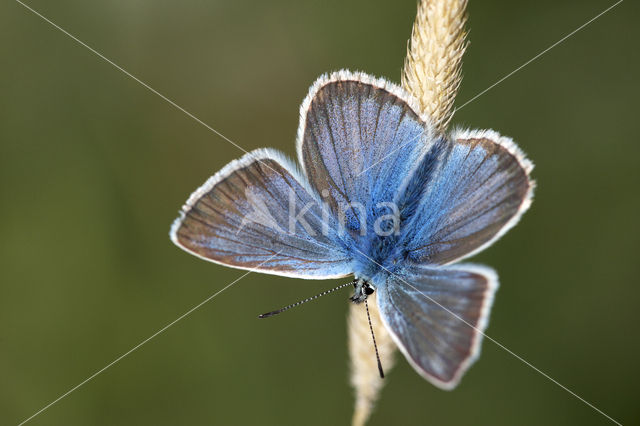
(390, 219)
(376, 258)
(380, 250)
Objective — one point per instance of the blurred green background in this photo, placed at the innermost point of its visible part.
(94, 167)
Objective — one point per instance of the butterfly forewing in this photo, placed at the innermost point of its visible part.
(437, 317)
(258, 213)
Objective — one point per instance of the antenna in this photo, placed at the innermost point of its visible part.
(293, 305)
(366, 305)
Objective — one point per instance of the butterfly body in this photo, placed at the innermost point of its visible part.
(378, 195)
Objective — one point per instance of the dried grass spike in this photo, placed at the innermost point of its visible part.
(433, 66)
(364, 370)
(432, 74)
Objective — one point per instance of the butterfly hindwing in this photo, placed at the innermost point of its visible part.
(258, 213)
(358, 141)
(437, 317)
(476, 187)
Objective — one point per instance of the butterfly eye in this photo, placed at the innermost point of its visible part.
(368, 290)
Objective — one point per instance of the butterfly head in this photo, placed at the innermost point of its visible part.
(362, 290)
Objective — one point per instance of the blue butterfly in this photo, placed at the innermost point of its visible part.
(380, 196)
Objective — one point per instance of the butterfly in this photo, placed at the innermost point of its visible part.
(379, 195)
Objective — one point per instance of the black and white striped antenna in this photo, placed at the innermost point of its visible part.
(309, 299)
(373, 336)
